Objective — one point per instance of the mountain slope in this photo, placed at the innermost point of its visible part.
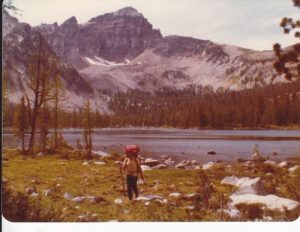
(121, 50)
(20, 42)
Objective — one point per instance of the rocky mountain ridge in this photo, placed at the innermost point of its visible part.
(20, 43)
(120, 51)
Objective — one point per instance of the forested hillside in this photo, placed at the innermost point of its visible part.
(261, 107)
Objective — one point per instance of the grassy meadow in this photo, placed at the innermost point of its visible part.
(42, 189)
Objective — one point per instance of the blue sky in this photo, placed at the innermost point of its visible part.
(246, 23)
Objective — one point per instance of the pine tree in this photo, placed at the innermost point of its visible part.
(44, 126)
(87, 127)
(58, 97)
(41, 85)
(288, 62)
(21, 122)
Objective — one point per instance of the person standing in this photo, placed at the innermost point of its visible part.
(132, 166)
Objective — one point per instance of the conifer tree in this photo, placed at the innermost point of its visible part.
(58, 97)
(42, 70)
(21, 122)
(87, 127)
(288, 61)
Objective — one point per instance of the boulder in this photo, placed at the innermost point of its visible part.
(100, 154)
(145, 168)
(283, 164)
(272, 202)
(233, 213)
(85, 163)
(118, 201)
(151, 162)
(270, 162)
(30, 190)
(257, 157)
(34, 194)
(192, 196)
(78, 199)
(194, 162)
(68, 195)
(149, 198)
(211, 152)
(164, 157)
(147, 203)
(293, 169)
(245, 184)
(207, 165)
(160, 166)
(175, 195)
(169, 161)
(197, 167)
(180, 166)
(40, 154)
(164, 201)
(190, 207)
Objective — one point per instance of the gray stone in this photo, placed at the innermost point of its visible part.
(30, 190)
(175, 195)
(192, 196)
(151, 162)
(160, 166)
(181, 166)
(211, 152)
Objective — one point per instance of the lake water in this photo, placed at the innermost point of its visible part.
(189, 143)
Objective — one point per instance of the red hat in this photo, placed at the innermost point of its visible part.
(132, 149)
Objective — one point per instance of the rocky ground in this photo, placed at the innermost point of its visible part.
(66, 187)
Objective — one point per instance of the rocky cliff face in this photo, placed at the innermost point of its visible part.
(120, 51)
(20, 44)
(115, 36)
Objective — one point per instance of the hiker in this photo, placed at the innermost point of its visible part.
(132, 166)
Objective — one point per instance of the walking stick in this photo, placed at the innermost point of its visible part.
(122, 181)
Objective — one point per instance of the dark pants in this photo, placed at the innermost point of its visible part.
(132, 186)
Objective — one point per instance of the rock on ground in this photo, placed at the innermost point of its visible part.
(100, 154)
(272, 202)
(180, 166)
(149, 198)
(118, 201)
(145, 168)
(151, 162)
(211, 152)
(175, 195)
(207, 165)
(160, 166)
(245, 184)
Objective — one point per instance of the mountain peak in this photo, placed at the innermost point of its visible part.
(71, 21)
(128, 11)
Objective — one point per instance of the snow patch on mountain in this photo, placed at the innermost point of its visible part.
(102, 62)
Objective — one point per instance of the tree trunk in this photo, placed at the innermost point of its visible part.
(23, 143)
(32, 133)
(55, 122)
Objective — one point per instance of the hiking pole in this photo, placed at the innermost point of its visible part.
(122, 181)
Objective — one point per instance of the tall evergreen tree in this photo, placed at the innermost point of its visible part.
(87, 127)
(21, 122)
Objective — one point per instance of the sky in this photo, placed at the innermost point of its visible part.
(247, 23)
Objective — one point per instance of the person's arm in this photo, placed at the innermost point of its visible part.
(140, 170)
(124, 165)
